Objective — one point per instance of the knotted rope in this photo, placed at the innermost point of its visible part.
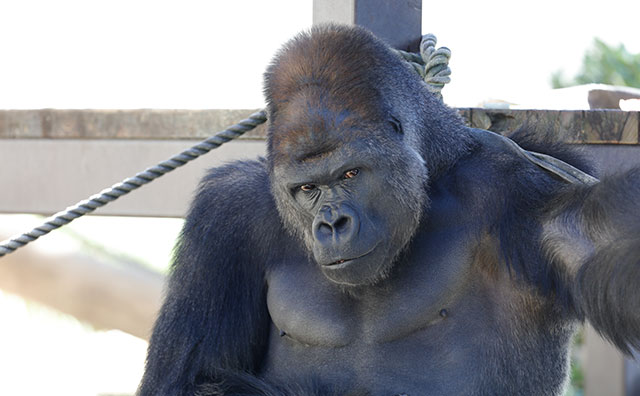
(431, 64)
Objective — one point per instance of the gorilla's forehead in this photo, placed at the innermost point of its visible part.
(312, 124)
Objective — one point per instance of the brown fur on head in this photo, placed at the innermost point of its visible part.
(339, 66)
(340, 59)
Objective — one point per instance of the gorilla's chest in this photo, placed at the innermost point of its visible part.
(437, 324)
(308, 308)
(426, 318)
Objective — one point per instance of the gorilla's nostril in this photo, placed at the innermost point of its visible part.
(341, 223)
(325, 229)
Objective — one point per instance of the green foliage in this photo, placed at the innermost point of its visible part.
(604, 64)
(577, 376)
(576, 386)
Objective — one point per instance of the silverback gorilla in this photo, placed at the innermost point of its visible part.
(384, 248)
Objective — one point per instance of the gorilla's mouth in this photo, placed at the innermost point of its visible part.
(345, 262)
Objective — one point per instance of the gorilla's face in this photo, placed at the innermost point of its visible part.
(352, 188)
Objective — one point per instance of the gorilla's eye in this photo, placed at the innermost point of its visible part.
(307, 187)
(350, 174)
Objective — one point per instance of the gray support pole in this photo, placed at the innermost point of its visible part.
(398, 22)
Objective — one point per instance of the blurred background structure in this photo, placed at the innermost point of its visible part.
(77, 306)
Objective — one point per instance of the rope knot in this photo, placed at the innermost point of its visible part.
(436, 70)
(432, 64)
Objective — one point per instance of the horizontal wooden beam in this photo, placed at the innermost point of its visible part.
(120, 124)
(576, 126)
(573, 126)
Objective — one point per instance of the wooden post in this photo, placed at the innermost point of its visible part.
(603, 366)
(398, 22)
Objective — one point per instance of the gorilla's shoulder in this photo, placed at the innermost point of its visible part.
(236, 177)
(237, 197)
(509, 162)
(521, 188)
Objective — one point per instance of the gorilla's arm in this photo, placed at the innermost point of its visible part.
(592, 234)
(214, 318)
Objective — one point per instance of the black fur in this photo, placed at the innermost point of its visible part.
(214, 315)
(384, 248)
(605, 286)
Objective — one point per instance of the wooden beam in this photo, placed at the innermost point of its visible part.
(45, 176)
(576, 126)
(120, 124)
(573, 126)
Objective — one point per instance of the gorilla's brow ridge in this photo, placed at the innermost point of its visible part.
(316, 154)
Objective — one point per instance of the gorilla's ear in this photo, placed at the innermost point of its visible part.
(397, 126)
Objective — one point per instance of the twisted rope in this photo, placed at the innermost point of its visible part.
(126, 186)
(431, 64)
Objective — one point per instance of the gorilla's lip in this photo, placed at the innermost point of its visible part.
(345, 262)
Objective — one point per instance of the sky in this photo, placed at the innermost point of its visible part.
(509, 49)
(211, 54)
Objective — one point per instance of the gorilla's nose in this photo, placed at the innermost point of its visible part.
(335, 225)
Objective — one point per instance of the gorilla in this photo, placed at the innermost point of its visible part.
(384, 248)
